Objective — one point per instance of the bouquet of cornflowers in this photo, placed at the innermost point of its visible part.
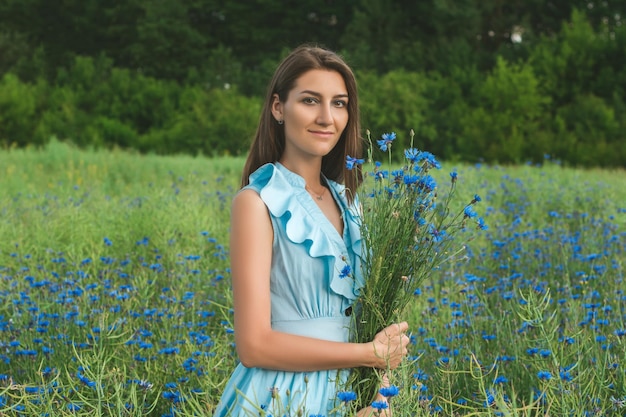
(407, 233)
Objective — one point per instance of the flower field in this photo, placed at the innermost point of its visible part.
(114, 291)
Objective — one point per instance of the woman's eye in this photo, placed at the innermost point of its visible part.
(336, 103)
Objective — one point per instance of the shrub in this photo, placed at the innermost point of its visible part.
(587, 133)
(19, 108)
(213, 122)
(396, 102)
(507, 118)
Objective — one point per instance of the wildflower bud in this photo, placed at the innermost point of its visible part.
(287, 392)
(412, 133)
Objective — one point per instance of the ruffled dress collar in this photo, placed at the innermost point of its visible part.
(286, 198)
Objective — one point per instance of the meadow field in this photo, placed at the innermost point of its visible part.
(115, 291)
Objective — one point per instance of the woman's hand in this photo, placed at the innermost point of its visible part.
(390, 345)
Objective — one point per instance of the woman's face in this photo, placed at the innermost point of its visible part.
(315, 113)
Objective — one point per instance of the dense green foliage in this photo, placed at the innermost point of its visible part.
(115, 290)
(476, 80)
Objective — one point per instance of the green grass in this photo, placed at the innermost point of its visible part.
(115, 297)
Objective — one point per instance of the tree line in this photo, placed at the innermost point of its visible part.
(491, 80)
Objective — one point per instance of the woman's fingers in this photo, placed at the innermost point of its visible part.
(392, 342)
(403, 326)
(396, 329)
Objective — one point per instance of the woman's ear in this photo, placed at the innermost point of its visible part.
(277, 108)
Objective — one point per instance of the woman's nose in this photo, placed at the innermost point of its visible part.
(325, 115)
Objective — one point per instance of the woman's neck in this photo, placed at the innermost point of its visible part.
(310, 171)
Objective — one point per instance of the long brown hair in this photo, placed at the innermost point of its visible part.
(269, 140)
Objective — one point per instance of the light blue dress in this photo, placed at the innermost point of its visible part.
(315, 279)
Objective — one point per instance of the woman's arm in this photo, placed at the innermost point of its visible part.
(260, 346)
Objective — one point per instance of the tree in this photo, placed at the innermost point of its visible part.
(505, 126)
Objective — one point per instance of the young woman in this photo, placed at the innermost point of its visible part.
(295, 248)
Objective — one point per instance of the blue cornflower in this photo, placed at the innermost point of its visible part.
(381, 174)
(85, 380)
(417, 216)
(491, 397)
(143, 384)
(345, 271)
(565, 375)
(410, 179)
(430, 159)
(73, 407)
(397, 174)
(469, 212)
(618, 402)
(532, 351)
(444, 360)
(428, 183)
(390, 391)
(454, 176)
(48, 371)
(544, 375)
(387, 139)
(412, 155)
(480, 223)
(476, 199)
(351, 162)
(380, 405)
(437, 235)
(169, 350)
(420, 375)
(346, 396)
(107, 241)
(545, 353)
(174, 396)
(501, 379)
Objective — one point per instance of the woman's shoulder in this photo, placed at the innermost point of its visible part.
(278, 188)
(270, 175)
(274, 180)
(247, 197)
